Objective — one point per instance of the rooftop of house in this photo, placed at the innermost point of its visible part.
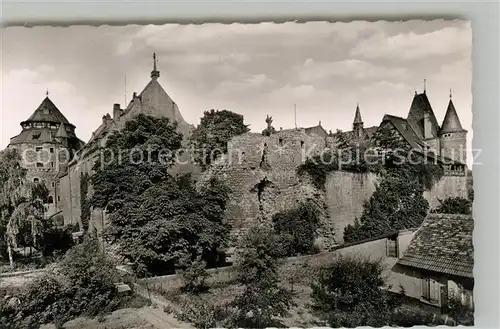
(47, 112)
(443, 244)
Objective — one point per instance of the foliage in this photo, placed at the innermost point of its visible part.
(84, 285)
(194, 275)
(349, 293)
(297, 228)
(84, 200)
(263, 299)
(463, 314)
(269, 129)
(91, 277)
(134, 159)
(56, 240)
(213, 133)
(454, 205)
(170, 221)
(21, 202)
(396, 204)
(199, 313)
(318, 168)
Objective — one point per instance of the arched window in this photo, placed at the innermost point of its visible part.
(51, 199)
(36, 180)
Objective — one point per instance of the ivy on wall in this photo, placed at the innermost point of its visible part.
(84, 201)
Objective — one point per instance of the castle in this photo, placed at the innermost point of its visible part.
(261, 170)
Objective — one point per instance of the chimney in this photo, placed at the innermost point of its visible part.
(427, 126)
(116, 112)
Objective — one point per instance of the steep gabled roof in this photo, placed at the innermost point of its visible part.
(406, 130)
(419, 106)
(451, 122)
(443, 244)
(48, 112)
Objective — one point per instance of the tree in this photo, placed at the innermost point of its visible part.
(397, 203)
(134, 159)
(297, 228)
(263, 299)
(216, 129)
(454, 205)
(269, 129)
(348, 292)
(169, 222)
(21, 201)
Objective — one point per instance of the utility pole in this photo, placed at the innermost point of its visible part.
(295, 114)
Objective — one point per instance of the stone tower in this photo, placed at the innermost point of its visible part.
(452, 136)
(357, 125)
(46, 143)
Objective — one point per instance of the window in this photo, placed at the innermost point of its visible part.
(36, 135)
(52, 164)
(302, 144)
(51, 199)
(281, 141)
(58, 198)
(430, 290)
(36, 180)
(38, 149)
(51, 150)
(53, 184)
(39, 165)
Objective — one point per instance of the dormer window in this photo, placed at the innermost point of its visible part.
(36, 180)
(36, 136)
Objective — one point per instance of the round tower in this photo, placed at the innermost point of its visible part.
(453, 138)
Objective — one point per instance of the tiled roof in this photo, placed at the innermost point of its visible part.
(443, 244)
(421, 104)
(405, 129)
(34, 135)
(48, 112)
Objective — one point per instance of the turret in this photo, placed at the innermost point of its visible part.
(453, 137)
(357, 125)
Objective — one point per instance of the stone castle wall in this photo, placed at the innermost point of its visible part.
(266, 182)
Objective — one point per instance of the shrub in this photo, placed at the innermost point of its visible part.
(56, 240)
(263, 299)
(199, 313)
(297, 228)
(348, 292)
(454, 205)
(194, 275)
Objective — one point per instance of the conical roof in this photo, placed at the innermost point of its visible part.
(357, 116)
(451, 122)
(47, 112)
(61, 131)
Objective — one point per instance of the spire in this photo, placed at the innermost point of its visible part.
(155, 74)
(451, 122)
(450, 93)
(357, 116)
(47, 92)
(425, 83)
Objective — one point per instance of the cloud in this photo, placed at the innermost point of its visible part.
(350, 68)
(411, 46)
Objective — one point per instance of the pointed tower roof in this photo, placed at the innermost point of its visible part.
(47, 112)
(451, 122)
(357, 116)
(61, 131)
(155, 74)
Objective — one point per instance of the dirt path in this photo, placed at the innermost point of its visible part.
(155, 315)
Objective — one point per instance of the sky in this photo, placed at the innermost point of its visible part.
(324, 68)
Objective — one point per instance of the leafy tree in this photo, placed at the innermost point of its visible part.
(454, 205)
(56, 240)
(21, 201)
(397, 203)
(269, 129)
(214, 132)
(134, 159)
(263, 299)
(170, 221)
(297, 228)
(348, 292)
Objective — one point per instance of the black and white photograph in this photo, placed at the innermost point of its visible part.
(243, 175)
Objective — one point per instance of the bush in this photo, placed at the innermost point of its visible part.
(454, 205)
(297, 228)
(199, 313)
(348, 292)
(56, 240)
(194, 275)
